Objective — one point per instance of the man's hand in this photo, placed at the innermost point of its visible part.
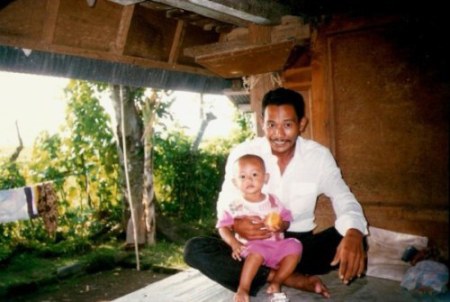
(351, 256)
(251, 228)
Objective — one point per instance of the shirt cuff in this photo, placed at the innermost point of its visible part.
(342, 225)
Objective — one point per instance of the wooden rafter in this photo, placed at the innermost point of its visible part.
(48, 31)
(136, 33)
(177, 39)
(124, 27)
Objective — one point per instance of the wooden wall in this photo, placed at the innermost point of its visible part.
(379, 99)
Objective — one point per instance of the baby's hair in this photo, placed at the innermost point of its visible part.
(246, 157)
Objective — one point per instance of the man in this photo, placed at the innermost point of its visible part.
(300, 171)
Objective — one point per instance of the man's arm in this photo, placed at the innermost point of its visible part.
(349, 213)
(251, 228)
(350, 221)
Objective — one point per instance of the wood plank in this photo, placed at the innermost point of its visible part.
(191, 285)
(177, 41)
(216, 48)
(259, 34)
(186, 286)
(124, 28)
(254, 11)
(249, 61)
(297, 78)
(204, 11)
(82, 26)
(292, 28)
(23, 19)
(51, 17)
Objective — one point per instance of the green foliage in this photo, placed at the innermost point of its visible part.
(92, 154)
(164, 254)
(10, 176)
(245, 129)
(91, 150)
(82, 162)
(5, 251)
(187, 183)
(25, 268)
(102, 258)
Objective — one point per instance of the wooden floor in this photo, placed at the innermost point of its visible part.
(192, 286)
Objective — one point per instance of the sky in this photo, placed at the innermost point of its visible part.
(37, 104)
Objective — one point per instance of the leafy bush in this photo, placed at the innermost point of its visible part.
(5, 252)
(10, 176)
(103, 258)
(186, 182)
(82, 163)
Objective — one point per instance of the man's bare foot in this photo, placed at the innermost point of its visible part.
(306, 283)
(273, 288)
(241, 296)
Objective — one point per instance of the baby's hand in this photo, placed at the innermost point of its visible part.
(237, 250)
(273, 222)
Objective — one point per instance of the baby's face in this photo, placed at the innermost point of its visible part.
(250, 176)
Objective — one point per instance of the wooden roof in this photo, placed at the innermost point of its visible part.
(164, 37)
(211, 41)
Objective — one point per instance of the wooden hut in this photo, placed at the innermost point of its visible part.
(374, 74)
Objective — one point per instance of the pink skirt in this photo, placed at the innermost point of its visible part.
(273, 251)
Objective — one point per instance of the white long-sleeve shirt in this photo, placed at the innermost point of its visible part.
(311, 172)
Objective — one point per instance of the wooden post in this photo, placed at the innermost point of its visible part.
(320, 107)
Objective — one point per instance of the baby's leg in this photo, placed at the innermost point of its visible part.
(287, 267)
(251, 265)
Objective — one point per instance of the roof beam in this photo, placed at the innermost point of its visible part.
(127, 2)
(240, 13)
(204, 11)
(176, 42)
(50, 21)
(262, 12)
(124, 28)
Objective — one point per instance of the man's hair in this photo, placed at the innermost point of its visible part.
(283, 96)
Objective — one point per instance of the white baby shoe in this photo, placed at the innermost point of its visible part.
(279, 297)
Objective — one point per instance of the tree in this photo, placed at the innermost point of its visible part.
(138, 110)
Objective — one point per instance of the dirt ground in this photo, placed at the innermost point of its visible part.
(99, 287)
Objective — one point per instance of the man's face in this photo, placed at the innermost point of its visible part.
(281, 127)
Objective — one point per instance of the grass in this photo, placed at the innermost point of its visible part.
(28, 270)
(164, 254)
